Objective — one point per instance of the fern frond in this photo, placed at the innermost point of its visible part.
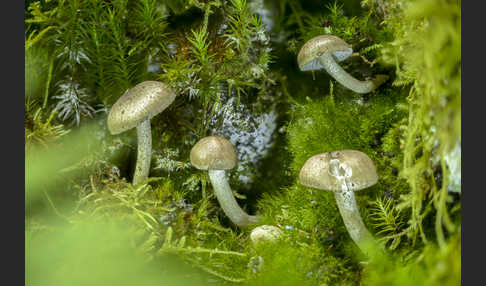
(387, 219)
(371, 48)
(42, 132)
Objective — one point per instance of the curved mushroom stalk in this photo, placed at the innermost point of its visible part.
(348, 209)
(323, 51)
(347, 206)
(228, 203)
(340, 75)
(144, 152)
(217, 154)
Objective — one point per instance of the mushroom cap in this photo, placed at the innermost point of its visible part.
(264, 233)
(142, 102)
(322, 171)
(308, 57)
(213, 153)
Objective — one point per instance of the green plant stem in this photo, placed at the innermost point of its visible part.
(56, 211)
(199, 250)
(48, 83)
(210, 271)
(295, 11)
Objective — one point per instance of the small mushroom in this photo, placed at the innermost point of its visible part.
(324, 52)
(343, 172)
(264, 233)
(216, 154)
(135, 109)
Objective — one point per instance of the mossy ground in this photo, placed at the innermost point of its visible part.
(81, 55)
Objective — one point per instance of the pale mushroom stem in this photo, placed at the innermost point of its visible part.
(344, 78)
(348, 208)
(144, 152)
(227, 201)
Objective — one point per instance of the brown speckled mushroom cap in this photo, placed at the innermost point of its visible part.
(143, 101)
(308, 57)
(213, 153)
(317, 171)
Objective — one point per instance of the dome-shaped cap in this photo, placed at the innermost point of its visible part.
(322, 171)
(213, 153)
(308, 57)
(143, 101)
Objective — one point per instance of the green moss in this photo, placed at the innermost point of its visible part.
(433, 266)
(212, 52)
(337, 123)
(298, 258)
(432, 67)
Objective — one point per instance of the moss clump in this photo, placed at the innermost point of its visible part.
(426, 54)
(298, 258)
(338, 123)
(238, 78)
(433, 266)
(323, 125)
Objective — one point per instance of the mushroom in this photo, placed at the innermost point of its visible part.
(216, 154)
(135, 109)
(343, 172)
(324, 52)
(264, 233)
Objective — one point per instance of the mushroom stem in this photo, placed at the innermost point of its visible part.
(144, 152)
(344, 78)
(225, 197)
(348, 208)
